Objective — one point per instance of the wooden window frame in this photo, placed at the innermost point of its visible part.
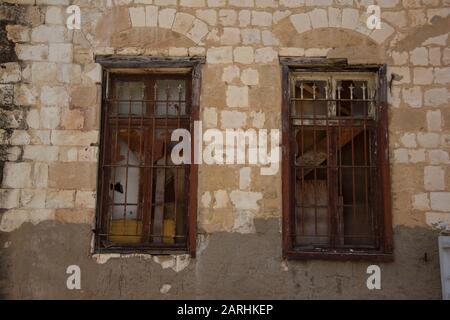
(128, 66)
(323, 65)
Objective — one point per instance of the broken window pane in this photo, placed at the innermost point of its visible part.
(353, 99)
(311, 98)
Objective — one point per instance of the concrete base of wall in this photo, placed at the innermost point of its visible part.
(33, 262)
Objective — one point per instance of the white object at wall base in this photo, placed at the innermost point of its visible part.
(444, 256)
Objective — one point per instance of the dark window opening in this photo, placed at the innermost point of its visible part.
(145, 200)
(335, 169)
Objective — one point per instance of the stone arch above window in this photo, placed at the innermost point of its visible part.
(148, 26)
(346, 18)
(168, 18)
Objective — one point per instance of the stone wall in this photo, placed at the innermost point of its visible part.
(50, 90)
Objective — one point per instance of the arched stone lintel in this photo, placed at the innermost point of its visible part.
(168, 18)
(346, 18)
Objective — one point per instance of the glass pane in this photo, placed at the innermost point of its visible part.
(355, 180)
(129, 96)
(353, 96)
(170, 97)
(310, 96)
(125, 185)
(311, 188)
(168, 216)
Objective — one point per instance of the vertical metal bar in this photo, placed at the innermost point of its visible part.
(127, 157)
(141, 202)
(166, 142)
(152, 162)
(366, 167)
(116, 136)
(287, 160)
(315, 160)
(103, 170)
(340, 200)
(147, 170)
(330, 172)
(178, 110)
(353, 163)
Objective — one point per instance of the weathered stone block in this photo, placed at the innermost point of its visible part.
(250, 77)
(227, 17)
(237, 96)
(421, 201)
(50, 33)
(419, 56)
(210, 117)
(243, 55)
(250, 36)
(60, 199)
(33, 198)
(434, 178)
(60, 52)
(166, 18)
(72, 175)
(9, 198)
(265, 55)
(78, 216)
(220, 55)
(32, 52)
(43, 72)
(440, 201)
(230, 36)
(434, 120)
(183, 22)
(54, 96)
(436, 97)
(40, 153)
(231, 73)
(207, 15)
(74, 137)
(10, 72)
(261, 19)
(301, 22)
(17, 175)
(243, 200)
(233, 119)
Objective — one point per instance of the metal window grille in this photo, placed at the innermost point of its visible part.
(334, 163)
(144, 196)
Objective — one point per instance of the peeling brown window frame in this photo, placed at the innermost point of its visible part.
(135, 67)
(384, 251)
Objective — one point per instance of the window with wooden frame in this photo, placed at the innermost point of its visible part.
(336, 188)
(145, 201)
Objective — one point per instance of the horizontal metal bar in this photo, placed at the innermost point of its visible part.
(334, 100)
(146, 100)
(146, 166)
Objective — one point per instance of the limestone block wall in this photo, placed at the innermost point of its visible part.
(50, 94)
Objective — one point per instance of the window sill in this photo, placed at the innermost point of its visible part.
(375, 256)
(142, 250)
